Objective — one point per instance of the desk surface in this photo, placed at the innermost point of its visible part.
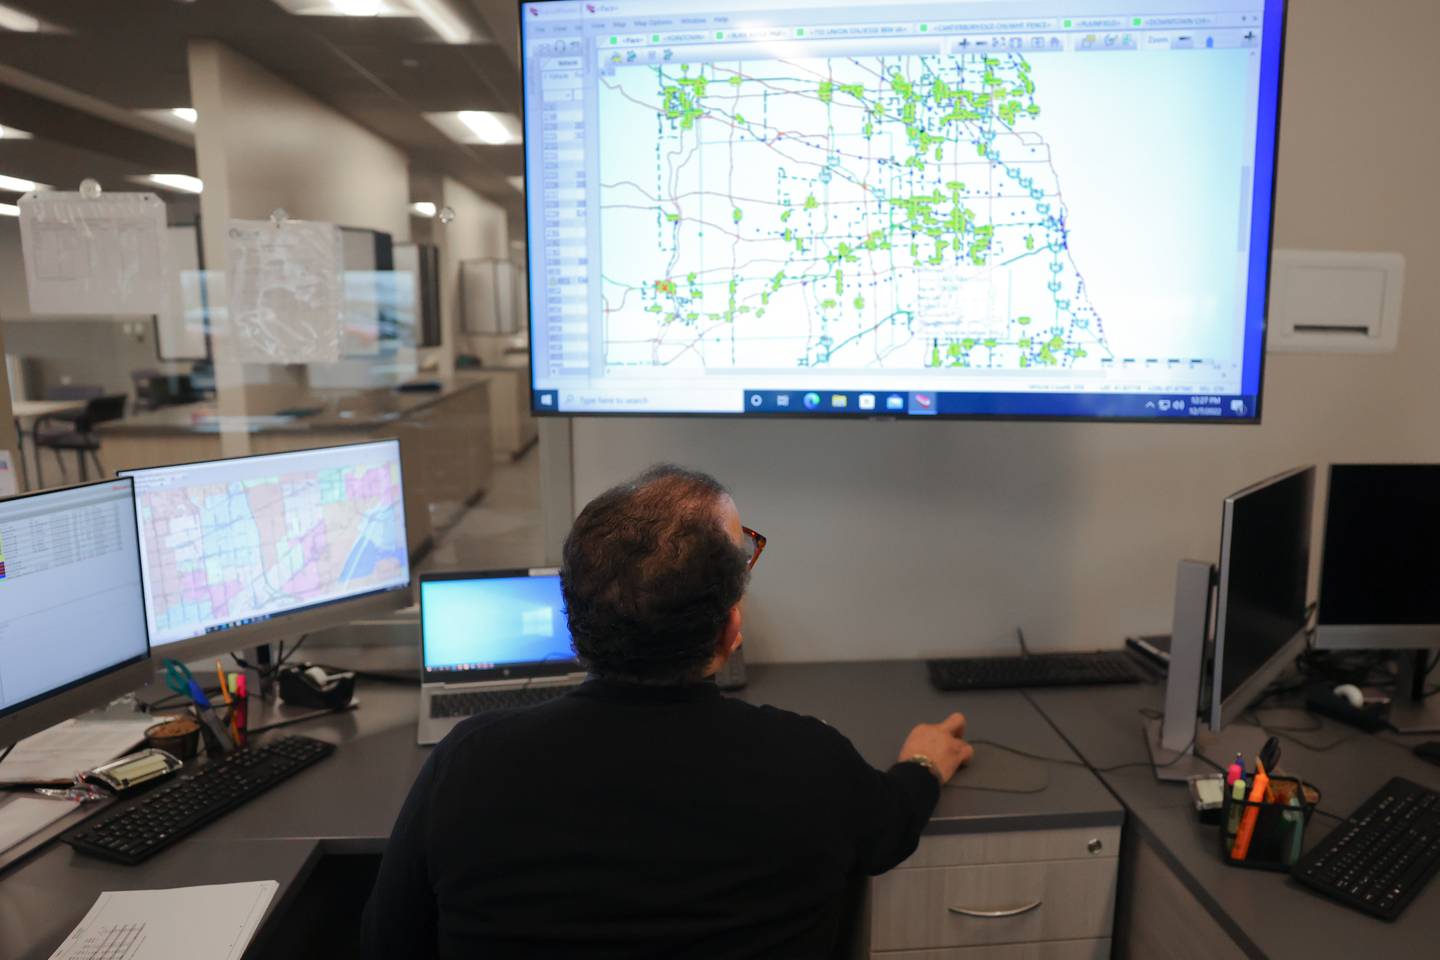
(327, 409)
(1267, 914)
(34, 409)
(348, 802)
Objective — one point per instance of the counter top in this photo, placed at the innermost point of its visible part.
(348, 802)
(1267, 914)
(286, 410)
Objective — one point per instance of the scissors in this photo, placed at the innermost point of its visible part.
(179, 679)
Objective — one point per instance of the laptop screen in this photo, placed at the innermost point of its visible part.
(476, 622)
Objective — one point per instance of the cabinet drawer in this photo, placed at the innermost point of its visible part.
(1015, 846)
(1052, 900)
(1052, 950)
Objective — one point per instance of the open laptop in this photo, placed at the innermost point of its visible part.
(490, 640)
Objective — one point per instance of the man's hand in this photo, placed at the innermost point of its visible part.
(942, 743)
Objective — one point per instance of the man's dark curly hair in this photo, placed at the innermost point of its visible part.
(649, 576)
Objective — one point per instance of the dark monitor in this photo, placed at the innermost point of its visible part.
(72, 611)
(1380, 576)
(172, 391)
(1261, 604)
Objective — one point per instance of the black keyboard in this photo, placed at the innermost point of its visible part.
(479, 701)
(166, 814)
(1040, 670)
(1379, 859)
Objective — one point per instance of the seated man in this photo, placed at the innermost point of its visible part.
(645, 814)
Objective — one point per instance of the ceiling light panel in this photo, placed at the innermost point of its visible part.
(478, 126)
(18, 184)
(176, 181)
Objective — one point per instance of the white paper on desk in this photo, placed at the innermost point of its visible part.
(187, 923)
(70, 747)
(22, 817)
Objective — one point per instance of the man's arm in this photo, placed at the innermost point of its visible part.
(896, 805)
(400, 919)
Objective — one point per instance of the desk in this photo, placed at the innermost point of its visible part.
(26, 413)
(1180, 897)
(444, 437)
(348, 802)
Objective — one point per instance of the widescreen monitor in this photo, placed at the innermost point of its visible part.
(1380, 572)
(940, 208)
(241, 551)
(1261, 608)
(72, 611)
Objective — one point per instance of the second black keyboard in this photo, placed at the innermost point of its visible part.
(168, 813)
(1038, 670)
(1380, 858)
(468, 703)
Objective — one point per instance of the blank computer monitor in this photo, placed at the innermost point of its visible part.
(72, 611)
(1380, 576)
(476, 626)
(1261, 605)
(244, 551)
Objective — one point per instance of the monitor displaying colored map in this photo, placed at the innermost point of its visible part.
(231, 542)
(914, 208)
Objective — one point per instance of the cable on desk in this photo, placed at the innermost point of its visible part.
(309, 716)
(280, 659)
(966, 786)
(6, 752)
(1254, 714)
(1029, 756)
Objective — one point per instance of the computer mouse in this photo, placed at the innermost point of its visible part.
(1351, 693)
(1429, 750)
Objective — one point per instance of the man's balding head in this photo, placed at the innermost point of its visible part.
(651, 570)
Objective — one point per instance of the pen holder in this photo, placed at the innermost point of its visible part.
(1276, 831)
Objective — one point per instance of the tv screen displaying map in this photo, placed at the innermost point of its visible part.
(230, 543)
(968, 208)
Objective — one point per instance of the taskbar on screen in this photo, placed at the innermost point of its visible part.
(925, 403)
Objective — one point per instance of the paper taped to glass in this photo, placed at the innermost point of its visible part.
(104, 255)
(284, 290)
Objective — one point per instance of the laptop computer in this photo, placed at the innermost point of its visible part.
(490, 640)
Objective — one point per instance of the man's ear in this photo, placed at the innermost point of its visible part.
(731, 637)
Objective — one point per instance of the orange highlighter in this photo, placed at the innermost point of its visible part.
(1247, 823)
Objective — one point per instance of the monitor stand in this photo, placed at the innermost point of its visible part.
(1174, 738)
(1173, 765)
(1411, 711)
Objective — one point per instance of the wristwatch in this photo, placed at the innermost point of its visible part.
(921, 760)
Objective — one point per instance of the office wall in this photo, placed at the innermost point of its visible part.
(88, 351)
(262, 143)
(479, 230)
(900, 539)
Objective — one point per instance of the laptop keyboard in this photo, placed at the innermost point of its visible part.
(445, 705)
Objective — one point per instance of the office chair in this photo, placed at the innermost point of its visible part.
(80, 439)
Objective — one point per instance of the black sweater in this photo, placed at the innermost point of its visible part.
(628, 821)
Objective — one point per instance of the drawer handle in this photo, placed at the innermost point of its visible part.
(995, 914)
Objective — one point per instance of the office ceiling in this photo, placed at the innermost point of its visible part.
(78, 89)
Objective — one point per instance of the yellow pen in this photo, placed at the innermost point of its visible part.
(225, 692)
(224, 684)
